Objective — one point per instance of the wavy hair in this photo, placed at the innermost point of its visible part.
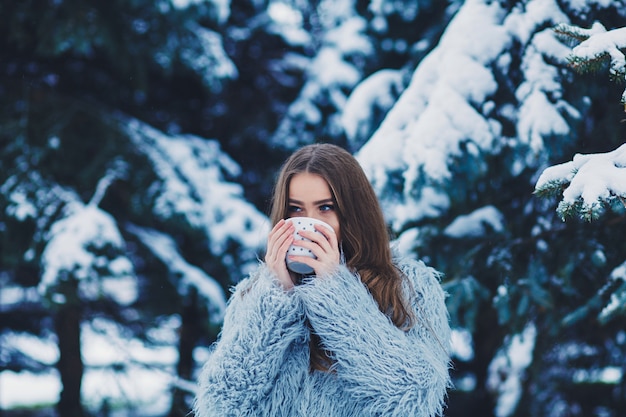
(364, 234)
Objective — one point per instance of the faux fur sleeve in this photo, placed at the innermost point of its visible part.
(260, 324)
(391, 372)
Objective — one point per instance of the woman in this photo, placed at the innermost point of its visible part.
(365, 335)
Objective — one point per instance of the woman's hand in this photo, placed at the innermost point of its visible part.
(278, 242)
(324, 246)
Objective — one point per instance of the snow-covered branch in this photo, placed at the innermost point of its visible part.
(193, 185)
(164, 248)
(596, 47)
(590, 183)
(87, 245)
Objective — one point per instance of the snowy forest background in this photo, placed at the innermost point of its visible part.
(139, 140)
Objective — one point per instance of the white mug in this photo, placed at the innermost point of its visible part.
(303, 224)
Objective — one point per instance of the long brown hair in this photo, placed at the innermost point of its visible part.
(364, 234)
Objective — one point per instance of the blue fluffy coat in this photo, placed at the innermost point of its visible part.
(260, 365)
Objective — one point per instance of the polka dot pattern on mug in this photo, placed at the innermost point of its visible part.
(305, 224)
(299, 250)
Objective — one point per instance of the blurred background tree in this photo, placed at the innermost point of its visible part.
(138, 146)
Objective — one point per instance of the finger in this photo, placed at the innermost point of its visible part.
(281, 230)
(279, 239)
(327, 232)
(319, 266)
(329, 235)
(327, 243)
(324, 254)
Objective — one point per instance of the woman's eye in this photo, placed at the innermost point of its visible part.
(327, 207)
(293, 209)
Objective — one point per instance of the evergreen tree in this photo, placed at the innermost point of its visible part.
(110, 223)
(454, 163)
(139, 141)
(363, 53)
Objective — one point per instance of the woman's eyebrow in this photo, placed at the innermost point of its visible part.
(315, 203)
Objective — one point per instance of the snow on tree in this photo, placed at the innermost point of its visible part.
(190, 185)
(95, 69)
(88, 257)
(617, 303)
(407, 10)
(219, 9)
(79, 246)
(445, 116)
(165, 248)
(591, 183)
(597, 45)
(208, 58)
(368, 103)
(335, 69)
(86, 245)
(456, 109)
(352, 42)
(476, 223)
(507, 369)
(287, 22)
(454, 162)
(82, 262)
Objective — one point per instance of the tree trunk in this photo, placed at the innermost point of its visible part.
(479, 401)
(189, 331)
(70, 365)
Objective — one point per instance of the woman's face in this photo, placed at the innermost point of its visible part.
(310, 196)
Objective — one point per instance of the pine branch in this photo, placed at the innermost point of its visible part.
(572, 35)
(585, 66)
(601, 47)
(551, 189)
(616, 303)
